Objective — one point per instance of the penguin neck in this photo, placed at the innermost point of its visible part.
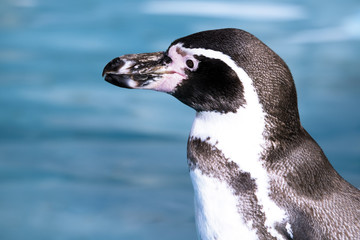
(239, 135)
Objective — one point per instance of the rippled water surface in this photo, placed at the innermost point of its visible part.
(82, 159)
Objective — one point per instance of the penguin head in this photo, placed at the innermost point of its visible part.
(216, 70)
(202, 82)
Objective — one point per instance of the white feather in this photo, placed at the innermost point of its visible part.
(289, 229)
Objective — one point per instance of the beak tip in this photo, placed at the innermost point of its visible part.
(103, 73)
(113, 66)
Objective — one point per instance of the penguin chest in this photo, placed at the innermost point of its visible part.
(217, 211)
(229, 202)
(231, 184)
(225, 201)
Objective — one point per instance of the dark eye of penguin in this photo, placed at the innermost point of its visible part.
(189, 63)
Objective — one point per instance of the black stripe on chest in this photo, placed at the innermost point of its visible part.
(212, 162)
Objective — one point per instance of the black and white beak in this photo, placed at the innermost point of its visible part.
(154, 71)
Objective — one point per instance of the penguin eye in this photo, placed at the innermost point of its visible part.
(189, 63)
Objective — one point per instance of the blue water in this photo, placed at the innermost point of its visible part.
(82, 159)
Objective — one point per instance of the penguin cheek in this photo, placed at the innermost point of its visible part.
(168, 82)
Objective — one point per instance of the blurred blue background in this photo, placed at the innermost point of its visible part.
(82, 159)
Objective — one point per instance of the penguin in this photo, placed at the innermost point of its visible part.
(256, 172)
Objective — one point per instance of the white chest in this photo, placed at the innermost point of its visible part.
(239, 138)
(216, 210)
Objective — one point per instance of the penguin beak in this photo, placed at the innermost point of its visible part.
(144, 71)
